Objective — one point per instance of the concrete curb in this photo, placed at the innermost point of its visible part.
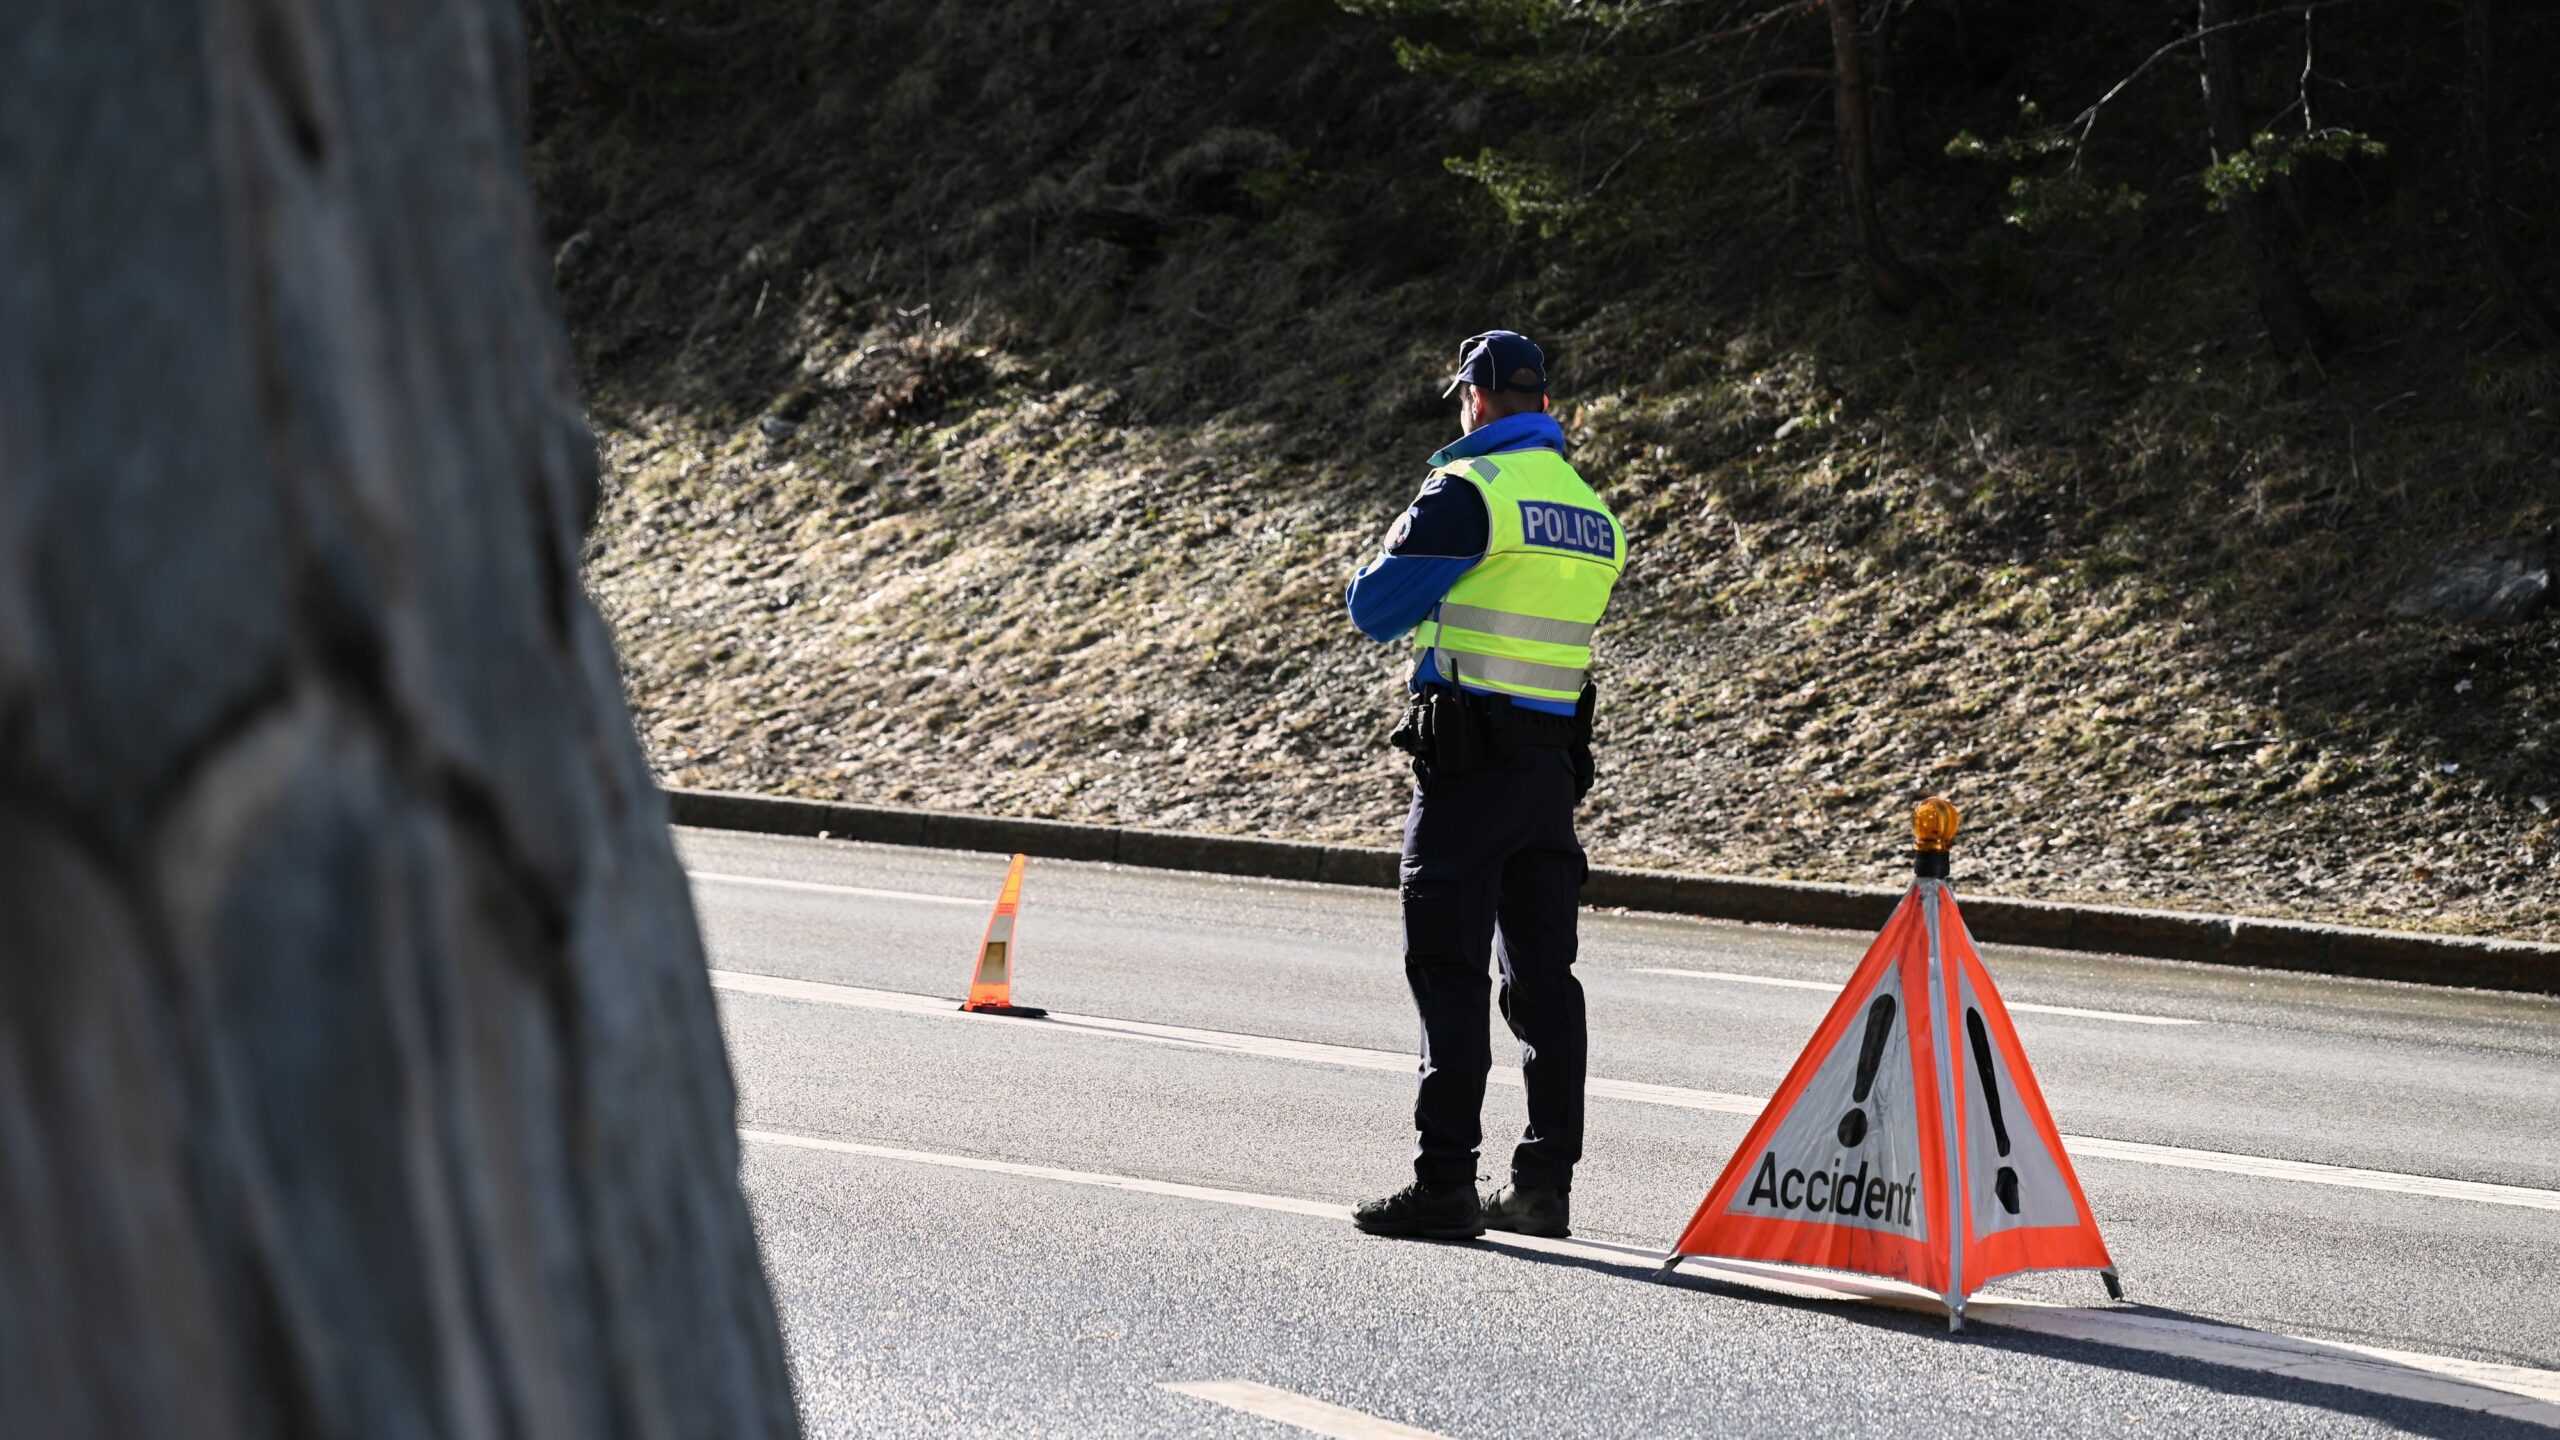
(2457, 960)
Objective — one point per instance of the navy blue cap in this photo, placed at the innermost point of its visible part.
(1499, 360)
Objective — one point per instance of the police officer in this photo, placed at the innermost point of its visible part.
(1500, 571)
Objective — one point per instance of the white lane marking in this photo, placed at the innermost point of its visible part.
(1184, 1037)
(1317, 1417)
(1828, 988)
(815, 888)
(1246, 1198)
(2179, 1157)
(2515, 1392)
(820, 992)
(820, 888)
(1824, 986)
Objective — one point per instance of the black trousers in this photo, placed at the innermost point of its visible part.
(1490, 859)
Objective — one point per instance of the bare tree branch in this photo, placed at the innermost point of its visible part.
(2087, 120)
(2302, 88)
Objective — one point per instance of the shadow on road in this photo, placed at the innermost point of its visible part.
(2410, 1412)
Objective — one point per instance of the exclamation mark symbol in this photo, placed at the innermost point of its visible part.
(1853, 1126)
(2005, 1185)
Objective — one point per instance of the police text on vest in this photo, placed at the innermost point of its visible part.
(1563, 527)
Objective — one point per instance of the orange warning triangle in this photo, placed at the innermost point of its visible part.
(1856, 1164)
(991, 984)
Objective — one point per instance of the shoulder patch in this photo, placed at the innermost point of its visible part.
(1399, 532)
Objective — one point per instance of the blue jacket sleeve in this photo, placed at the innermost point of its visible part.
(1439, 538)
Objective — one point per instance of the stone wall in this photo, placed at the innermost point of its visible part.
(358, 1070)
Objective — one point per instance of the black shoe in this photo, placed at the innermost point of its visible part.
(1413, 1211)
(1529, 1210)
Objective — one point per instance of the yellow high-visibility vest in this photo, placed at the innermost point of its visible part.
(1519, 622)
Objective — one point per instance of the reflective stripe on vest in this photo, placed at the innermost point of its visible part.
(1520, 620)
(1518, 627)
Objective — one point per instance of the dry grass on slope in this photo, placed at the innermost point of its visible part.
(994, 399)
(1035, 606)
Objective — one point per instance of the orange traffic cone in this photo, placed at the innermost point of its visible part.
(991, 987)
(1910, 1140)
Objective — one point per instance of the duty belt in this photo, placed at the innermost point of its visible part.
(1524, 726)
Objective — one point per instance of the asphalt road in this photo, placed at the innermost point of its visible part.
(980, 1226)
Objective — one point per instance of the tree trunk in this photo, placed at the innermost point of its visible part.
(358, 1068)
(1885, 130)
(2293, 319)
(556, 35)
(1896, 287)
(2498, 248)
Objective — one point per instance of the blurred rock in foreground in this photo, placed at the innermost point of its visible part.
(358, 1071)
